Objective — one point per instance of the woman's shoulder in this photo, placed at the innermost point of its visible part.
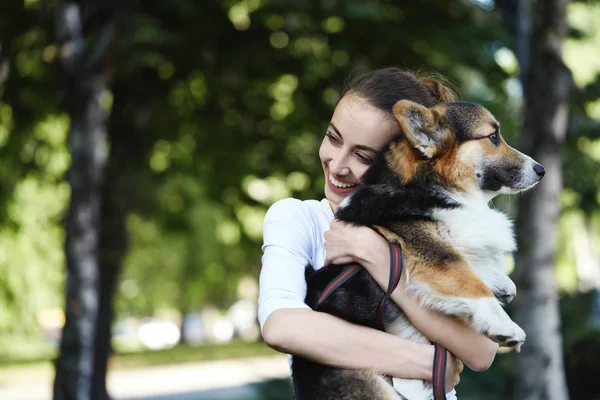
(296, 208)
(297, 224)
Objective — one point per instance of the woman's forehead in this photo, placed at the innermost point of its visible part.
(361, 123)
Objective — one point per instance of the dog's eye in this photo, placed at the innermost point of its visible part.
(495, 138)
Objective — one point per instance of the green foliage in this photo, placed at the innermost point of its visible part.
(231, 121)
(220, 107)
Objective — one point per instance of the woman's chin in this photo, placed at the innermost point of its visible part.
(335, 198)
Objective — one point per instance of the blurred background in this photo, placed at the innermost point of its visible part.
(141, 143)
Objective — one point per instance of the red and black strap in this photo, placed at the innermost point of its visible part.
(439, 372)
(339, 280)
(396, 266)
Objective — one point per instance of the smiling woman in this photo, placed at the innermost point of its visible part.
(305, 233)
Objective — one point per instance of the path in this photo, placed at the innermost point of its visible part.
(230, 379)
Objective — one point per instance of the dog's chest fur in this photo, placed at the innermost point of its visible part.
(474, 227)
(483, 235)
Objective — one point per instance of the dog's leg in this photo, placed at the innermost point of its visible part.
(454, 289)
(490, 267)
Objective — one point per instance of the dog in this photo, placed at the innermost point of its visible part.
(429, 191)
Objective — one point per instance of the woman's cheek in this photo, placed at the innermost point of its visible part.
(323, 150)
(360, 171)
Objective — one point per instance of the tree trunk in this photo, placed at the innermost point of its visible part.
(113, 239)
(86, 77)
(113, 245)
(547, 86)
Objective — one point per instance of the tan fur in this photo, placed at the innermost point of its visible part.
(403, 161)
(388, 234)
(457, 280)
(453, 279)
(450, 166)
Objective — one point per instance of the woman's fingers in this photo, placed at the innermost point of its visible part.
(339, 260)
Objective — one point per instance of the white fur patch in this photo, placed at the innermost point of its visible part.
(345, 202)
(475, 227)
(388, 391)
(410, 388)
(413, 389)
(483, 235)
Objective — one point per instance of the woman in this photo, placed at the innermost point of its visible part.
(300, 233)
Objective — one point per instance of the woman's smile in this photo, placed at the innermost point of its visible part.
(340, 187)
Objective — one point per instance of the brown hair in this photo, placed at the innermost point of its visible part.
(382, 88)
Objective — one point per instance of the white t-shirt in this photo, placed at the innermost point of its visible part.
(293, 238)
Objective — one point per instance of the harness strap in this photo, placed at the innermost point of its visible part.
(439, 372)
(339, 280)
(396, 266)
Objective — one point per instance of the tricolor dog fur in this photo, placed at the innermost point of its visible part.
(429, 191)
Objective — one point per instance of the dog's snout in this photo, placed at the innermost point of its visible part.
(539, 170)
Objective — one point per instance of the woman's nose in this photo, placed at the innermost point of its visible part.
(339, 166)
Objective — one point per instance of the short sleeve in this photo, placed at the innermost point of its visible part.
(287, 250)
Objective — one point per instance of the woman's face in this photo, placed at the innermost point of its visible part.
(356, 132)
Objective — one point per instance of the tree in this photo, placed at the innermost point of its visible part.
(86, 76)
(547, 84)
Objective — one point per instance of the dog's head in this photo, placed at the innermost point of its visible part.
(459, 145)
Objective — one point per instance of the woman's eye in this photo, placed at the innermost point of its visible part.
(364, 159)
(332, 138)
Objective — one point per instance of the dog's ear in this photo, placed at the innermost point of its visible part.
(421, 127)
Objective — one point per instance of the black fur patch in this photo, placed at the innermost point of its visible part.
(462, 116)
(495, 178)
(356, 301)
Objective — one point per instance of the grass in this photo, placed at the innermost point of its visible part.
(183, 354)
(27, 366)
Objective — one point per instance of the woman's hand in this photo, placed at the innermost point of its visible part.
(347, 243)
(340, 242)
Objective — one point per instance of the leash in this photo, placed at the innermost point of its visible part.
(396, 267)
(439, 372)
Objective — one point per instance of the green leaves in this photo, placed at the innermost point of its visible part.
(219, 108)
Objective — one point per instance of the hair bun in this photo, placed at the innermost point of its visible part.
(438, 90)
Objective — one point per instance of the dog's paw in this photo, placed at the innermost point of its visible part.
(514, 338)
(491, 320)
(507, 292)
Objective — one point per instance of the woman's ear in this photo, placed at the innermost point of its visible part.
(420, 127)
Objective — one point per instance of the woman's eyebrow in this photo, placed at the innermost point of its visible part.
(367, 148)
(358, 146)
(331, 124)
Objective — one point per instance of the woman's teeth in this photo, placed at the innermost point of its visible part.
(340, 184)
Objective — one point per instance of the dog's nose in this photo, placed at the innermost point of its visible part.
(539, 170)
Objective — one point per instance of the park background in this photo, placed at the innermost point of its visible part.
(141, 143)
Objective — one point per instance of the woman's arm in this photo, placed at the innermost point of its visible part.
(372, 252)
(329, 340)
